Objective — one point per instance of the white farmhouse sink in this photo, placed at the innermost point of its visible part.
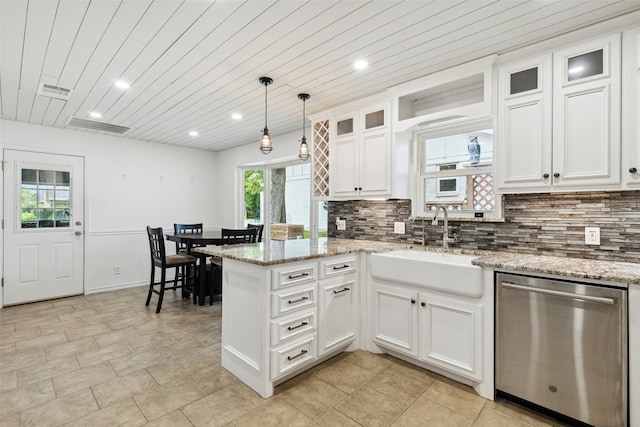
(445, 272)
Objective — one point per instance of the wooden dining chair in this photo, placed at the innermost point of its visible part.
(230, 236)
(260, 228)
(181, 248)
(160, 259)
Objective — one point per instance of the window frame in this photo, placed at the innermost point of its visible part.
(420, 175)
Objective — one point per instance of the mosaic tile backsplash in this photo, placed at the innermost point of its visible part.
(539, 224)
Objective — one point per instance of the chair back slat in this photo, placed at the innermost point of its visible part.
(237, 236)
(186, 229)
(260, 228)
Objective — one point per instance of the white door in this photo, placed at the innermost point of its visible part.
(43, 226)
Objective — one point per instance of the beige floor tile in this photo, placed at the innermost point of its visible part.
(122, 322)
(116, 335)
(12, 420)
(496, 419)
(6, 329)
(124, 413)
(83, 378)
(41, 341)
(14, 401)
(219, 408)
(135, 361)
(517, 413)
(212, 378)
(78, 314)
(401, 382)
(176, 368)
(68, 301)
(135, 383)
(37, 322)
(369, 361)
(174, 419)
(8, 380)
(167, 398)
(60, 410)
(55, 311)
(61, 326)
(11, 362)
(312, 396)
(455, 396)
(87, 331)
(91, 357)
(345, 376)
(19, 336)
(71, 347)
(41, 371)
(370, 407)
(275, 413)
(333, 418)
(427, 413)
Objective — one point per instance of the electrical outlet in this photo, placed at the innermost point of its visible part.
(398, 227)
(116, 269)
(342, 224)
(592, 235)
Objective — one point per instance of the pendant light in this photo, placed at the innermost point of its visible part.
(303, 152)
(265, 141)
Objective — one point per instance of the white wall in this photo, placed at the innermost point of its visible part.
(164, 184)
(285, 148)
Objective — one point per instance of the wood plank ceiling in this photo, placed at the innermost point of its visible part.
(191, 64)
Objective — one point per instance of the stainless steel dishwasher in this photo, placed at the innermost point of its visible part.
(563, 346)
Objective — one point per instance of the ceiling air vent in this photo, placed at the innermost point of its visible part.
(54, 91)
(78, 122)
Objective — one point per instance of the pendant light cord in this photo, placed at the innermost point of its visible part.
(265, 104)
(304, 112)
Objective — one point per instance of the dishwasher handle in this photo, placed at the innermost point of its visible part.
(601, 300)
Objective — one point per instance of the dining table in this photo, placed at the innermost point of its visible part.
(194, 240)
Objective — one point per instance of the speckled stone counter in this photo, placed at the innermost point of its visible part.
(280, 252)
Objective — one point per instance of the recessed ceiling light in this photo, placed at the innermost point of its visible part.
(360, 65)
(193, 133)
(95, 114)
(236, 116)
(122, 84)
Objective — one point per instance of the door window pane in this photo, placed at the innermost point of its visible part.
(345, 127)
(589, 64)
(45, 199)
(290, 202)
(253, 197)
(374, 119)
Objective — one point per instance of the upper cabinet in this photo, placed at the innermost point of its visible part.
(559, 120)
(631, 108)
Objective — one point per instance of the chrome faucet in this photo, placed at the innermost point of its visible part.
(445, 232)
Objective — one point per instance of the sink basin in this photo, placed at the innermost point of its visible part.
(445, 272)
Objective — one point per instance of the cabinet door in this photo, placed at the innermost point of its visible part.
(395, 318)
(374, 164)
(586, 137)
(344, 169)
(337, 312)
(451, 335)
(631, 108)
(523, 155)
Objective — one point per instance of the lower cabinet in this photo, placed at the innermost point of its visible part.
(338, 312)
(441, 331)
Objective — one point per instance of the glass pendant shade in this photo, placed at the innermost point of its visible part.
(303, 151)
(265, 141)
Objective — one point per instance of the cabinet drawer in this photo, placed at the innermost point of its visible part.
(285, 329)
(288, 301)
(286, 359)
(334, 267)
(284, 277)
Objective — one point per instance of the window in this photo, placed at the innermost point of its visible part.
(456, 170)
(45, 198)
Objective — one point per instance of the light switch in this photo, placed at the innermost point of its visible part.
(398, 227)
(341, 224)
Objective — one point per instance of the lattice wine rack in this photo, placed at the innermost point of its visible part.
(320, 159)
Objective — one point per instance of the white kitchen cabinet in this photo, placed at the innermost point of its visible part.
(631, 108)
(451, 334)
(559, 129)
(360, 153)
(395, 318)
(280, 320)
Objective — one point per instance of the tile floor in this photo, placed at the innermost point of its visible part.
(107, 360)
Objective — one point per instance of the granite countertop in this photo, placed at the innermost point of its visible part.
(280, 252)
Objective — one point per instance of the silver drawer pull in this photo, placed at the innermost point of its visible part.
(302, 353)
(601, 300)
(291, 328)
(294, 301)
(341, 291)
(297, 276)
(342, 267)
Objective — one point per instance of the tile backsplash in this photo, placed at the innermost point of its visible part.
(540, 224)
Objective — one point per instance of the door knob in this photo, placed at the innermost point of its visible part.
(633, 170)
(78, 223)
(78, 233)
(545, 176)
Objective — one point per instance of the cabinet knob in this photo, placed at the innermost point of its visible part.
(423, 304)
(359, 188)
(545, 176)
(556, 175)
(355, 188)
(413, 301)
(633, 170)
